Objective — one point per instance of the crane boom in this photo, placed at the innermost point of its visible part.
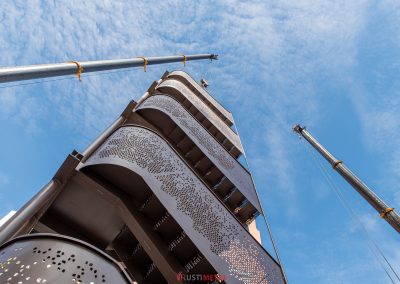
(384, 210)
(20, 73)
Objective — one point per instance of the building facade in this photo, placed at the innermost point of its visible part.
(159, 197)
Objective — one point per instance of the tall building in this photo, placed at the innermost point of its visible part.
(159, 197)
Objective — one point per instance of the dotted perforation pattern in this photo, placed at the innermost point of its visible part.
(204, 93)
(47, 260)
(205, 110)
(218, 235)
(206, 142)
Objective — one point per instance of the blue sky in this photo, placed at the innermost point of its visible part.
(331, 65)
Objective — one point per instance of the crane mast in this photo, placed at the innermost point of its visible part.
(385, 211)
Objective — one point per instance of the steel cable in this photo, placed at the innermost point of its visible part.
(335, 188)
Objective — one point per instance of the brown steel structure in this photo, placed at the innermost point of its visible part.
(159, 197)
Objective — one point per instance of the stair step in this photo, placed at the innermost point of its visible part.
(221, 181)
(167, 228)
(242, 205)
(176, 135)
(230, 194)
(214, 175)
(185, 144)
(177, 241)
(184, 250)
(203, 165)
(194, 154)
(137, 249)
(146, 202)
(153, 276)
(161, 221)
(191, 264)
(151, 268)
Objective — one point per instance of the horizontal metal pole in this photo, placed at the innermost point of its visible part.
(19, 73)
(384, 210)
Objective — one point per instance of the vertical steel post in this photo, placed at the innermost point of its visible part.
(384, 210)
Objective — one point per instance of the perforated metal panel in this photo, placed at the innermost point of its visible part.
(204, 93)
(207, 143)
(40, 258)
(205, 110)
(222, 240)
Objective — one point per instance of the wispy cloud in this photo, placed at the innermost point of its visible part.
(299, 42)
(376, 94)
(4, 180)
(279, 61)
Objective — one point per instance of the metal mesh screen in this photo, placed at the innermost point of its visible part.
(210, 147)
(205, 110)
(222, 240)
(204, 93)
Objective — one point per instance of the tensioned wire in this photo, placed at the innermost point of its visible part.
(258, 198)
(264, 216)
(371, 243)
(204, 76)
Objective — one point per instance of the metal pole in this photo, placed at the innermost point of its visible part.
(384, 210)
(19, 73)
(23, 218)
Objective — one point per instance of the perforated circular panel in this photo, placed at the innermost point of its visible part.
(47, 258)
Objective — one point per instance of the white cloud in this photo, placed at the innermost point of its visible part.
(257, 39)
(4, 180)
(271, 54)
(8, 102)
(376, 96)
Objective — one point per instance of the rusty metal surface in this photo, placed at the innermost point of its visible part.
(222, 240)
(205, 110)
(47, 258)
(204, 93)
(229, 166)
